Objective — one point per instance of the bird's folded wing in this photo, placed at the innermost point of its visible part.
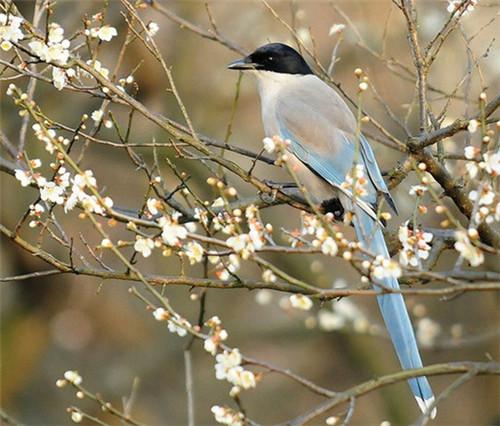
(324, 148)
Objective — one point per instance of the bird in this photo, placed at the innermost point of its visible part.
(324, 145)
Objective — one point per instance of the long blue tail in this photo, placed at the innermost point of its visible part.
(394, 311)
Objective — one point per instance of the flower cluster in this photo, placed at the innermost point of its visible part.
(228, 367)
(175, 323)
(71, 377)
(172, 233)
(103, 33)
(382, 268)
(56, 52)
(356, 181)
(227, 416)
(10, 30)
(311, 225)
(217, 335)
(415, 245)
(466, 249)
(81, 182)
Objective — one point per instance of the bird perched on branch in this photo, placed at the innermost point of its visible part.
(326, 150)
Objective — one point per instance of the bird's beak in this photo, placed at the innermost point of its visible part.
(242, 64)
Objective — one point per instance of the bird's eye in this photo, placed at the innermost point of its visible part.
(271, 58)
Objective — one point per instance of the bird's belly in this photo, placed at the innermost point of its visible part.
(318, 189)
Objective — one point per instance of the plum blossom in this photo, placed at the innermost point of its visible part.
(329, 247)
(492, 163)
(106, 33)
(472, 126)
(172, 232)
(227, 416)
(144, 246)
(178, 325)
(268, 276)
(52, 193)
(241, 244)
(24, 177)
(10, 30)
(153, 205)
(417, 190)
(57, 48)
(467, 250)
(194, 252)
(299, 301)
(153, 28)
(484, 196)
(385, 268)
(228, 368)
(471, 152)
(97, 116)
(415, 245)
(356, 181)
(73, 377)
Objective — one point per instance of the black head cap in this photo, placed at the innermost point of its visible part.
(275, 57)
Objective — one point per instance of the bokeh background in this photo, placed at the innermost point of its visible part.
(53, 324)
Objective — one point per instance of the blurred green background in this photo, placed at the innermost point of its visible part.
(53, 324)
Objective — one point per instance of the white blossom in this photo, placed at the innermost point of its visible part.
(471, 168)
(76, 416)
(152, 29)
(56, 33)
(268, 276)
(241, 244)
(24, 177)
(194, 252)
(97, 116)
(356, 181)
(299, 301)
(172, 232)
(492, 163)
(471, 152)
(210, 345)
(99, 68)
(417, 190)
(226, 416)
(484, 197)
(106, 33)
(59, 78)
(269, 145)
(467, 250)
(329, 247)
(178, 326)
(52, 192)
(385, 268)
(415, 245)
(10, 30)
(152, 205)
(144, 246)
(73, 377)
(225, 361)
(472, 126)
(161, 314)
